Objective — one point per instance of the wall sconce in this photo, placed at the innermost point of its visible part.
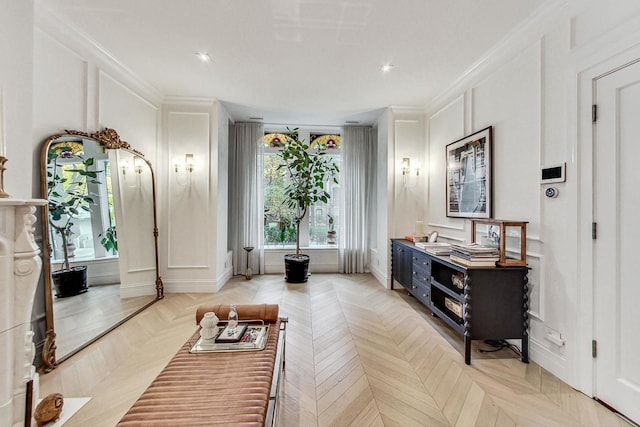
(137, 168)
(404, 166)
(137, 165)
(189, 165)
(407, 170)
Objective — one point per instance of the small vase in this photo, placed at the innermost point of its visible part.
(209, 325)
(71, 249)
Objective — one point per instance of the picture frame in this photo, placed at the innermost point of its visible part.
(469, 176)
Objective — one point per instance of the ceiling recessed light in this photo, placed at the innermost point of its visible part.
(204, 57)
(386, 68)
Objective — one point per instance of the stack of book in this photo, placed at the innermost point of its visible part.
(435, 248)
(475, 255)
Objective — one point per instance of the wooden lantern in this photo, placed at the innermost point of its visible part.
(498, 231)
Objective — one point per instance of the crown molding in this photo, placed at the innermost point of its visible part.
(70, 36)
(532, 29)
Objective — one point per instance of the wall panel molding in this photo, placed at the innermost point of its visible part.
(532, 29)
(188, 197)
(448, 226)
(68, 34)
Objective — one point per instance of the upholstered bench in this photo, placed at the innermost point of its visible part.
(217, 388)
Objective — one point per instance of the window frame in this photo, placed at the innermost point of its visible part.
(304, 134)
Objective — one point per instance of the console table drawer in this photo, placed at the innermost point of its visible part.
(421, 291)
(421, 276)
(420, 260)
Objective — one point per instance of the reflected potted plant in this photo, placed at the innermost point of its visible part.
(68, 196)
(307, 170)
(109, 240)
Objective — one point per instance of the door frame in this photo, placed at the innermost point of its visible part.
(584, 369)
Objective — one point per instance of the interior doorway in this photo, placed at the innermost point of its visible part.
(616, 203)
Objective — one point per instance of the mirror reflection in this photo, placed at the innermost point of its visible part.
(101, 236)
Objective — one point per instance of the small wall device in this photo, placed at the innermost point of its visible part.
(551, 192)
(553, 173)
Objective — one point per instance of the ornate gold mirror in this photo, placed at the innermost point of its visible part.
(100, 237)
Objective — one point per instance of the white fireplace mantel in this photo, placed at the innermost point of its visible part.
(20, 267)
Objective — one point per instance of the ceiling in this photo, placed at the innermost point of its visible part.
(298, 62)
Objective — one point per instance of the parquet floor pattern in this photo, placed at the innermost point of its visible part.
(80, 318)
(357, 355)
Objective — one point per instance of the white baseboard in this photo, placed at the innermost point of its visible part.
(103, 279)
(190, 286)
(379, 275)
(137, 290)
(553, 363)
(227, 274)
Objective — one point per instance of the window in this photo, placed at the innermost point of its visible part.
(279, 229)
(84, 245)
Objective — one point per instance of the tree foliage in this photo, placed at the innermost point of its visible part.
(307, 170)
(67, 193)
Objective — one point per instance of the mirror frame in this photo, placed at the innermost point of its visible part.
(108, 139)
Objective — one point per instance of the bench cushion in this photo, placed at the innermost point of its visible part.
(204, 389)
(266, 312)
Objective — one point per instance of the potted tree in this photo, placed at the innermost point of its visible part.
(68, 195)
(307, 170)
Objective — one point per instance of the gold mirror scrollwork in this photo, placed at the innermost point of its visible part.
(71, 144)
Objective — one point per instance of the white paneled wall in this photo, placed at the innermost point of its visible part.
(509, 96)
(509, 100)
(134, 117)
(135, 212)
(60, 87)
(188, 193)
(408, 192)
(445, 126)
(527, 91)
(195, 255)
(220, 181)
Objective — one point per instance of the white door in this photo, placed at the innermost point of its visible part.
(617, 247)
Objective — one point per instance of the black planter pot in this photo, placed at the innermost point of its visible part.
(68, 283)
(296, 268)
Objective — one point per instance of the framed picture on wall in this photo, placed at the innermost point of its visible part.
(469, 172)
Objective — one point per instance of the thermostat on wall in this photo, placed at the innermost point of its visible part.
(553, 173)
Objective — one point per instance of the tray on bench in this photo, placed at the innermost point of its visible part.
(253, 339)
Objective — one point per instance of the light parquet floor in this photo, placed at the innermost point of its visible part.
(80, 318)
(357, 354)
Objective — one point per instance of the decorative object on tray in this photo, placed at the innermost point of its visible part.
(233, 316)
(231, 334)
(209, 325)
(469, 173)
(505, 236)
(49, 409)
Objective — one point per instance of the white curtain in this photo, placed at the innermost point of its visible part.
(245, 197)
(357, 182)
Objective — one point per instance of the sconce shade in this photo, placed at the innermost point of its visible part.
(189, 166)
(406, 163)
